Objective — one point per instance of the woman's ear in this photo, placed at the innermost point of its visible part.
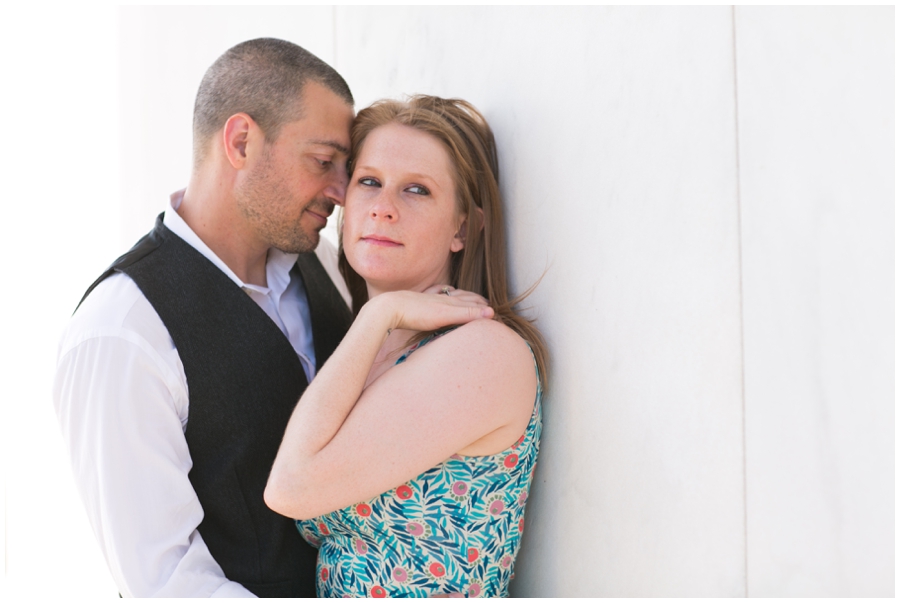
(472, 223)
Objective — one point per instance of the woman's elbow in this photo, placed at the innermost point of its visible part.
(275, 499)
(280, 498)
(283, 496)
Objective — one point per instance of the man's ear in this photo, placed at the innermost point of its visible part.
(472, 223)
(237, 134)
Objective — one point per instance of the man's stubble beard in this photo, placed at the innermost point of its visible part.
(259, 198)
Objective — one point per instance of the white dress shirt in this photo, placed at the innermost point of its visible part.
(121, 397)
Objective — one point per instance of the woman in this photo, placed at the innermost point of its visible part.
(408, 459)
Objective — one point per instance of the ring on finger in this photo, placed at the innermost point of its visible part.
(446, 291)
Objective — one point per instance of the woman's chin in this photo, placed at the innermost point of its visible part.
(379, 273)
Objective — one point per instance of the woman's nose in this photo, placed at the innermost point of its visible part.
(383, 208)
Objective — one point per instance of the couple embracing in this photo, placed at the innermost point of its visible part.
(405, 466)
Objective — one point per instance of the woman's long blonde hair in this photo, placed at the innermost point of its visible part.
(481, 265)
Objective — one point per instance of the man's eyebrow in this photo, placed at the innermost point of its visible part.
(334, 145)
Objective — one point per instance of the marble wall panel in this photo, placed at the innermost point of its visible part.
(615, 129)
(59, 177)
(816, 109)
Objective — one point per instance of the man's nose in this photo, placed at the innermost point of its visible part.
(337, 189)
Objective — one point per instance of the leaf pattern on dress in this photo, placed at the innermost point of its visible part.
(455, 528)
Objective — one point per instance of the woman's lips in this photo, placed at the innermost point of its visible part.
(381, 241)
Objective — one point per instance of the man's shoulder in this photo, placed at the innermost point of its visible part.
(116, 307)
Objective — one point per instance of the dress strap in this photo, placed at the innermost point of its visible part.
(428, 338)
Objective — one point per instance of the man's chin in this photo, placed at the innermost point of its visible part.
(307, 243)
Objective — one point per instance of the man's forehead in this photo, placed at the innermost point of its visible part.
(324, 119)
(320, 129)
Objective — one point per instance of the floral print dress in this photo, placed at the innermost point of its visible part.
(454, 529)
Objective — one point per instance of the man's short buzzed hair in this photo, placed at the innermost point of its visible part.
(263, 78)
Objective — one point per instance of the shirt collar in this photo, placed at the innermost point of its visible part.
(278, 263)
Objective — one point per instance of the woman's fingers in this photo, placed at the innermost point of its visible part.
(426, 312)
(468, 297)
(435, 311)
(462, 294)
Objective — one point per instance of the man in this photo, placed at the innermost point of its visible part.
(181, 366)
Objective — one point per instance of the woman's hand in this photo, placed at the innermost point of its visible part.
(438, 306)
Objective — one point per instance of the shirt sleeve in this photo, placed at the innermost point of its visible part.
(117, 401)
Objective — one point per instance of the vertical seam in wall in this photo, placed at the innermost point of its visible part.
(737, 159)
(334, 45)
(5, 534)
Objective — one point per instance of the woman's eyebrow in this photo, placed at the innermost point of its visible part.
(417, 176)
(406, 176)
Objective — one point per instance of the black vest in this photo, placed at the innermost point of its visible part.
(244, 379)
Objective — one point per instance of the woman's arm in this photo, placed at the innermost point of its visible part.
(343, 445)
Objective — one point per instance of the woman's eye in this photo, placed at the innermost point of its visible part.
(418, 189)
(369, 182)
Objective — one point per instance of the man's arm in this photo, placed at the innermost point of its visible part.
(121, 399)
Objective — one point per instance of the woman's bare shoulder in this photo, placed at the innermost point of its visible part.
(491, 336)
(504, 370)
(496, 355)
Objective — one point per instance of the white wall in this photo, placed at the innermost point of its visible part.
(709, 196)
(59, 174)
(816, 123)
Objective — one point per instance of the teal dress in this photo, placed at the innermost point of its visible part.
(454, 529)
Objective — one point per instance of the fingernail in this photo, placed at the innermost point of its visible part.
(487, 312)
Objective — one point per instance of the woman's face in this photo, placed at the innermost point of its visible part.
(400, 216)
